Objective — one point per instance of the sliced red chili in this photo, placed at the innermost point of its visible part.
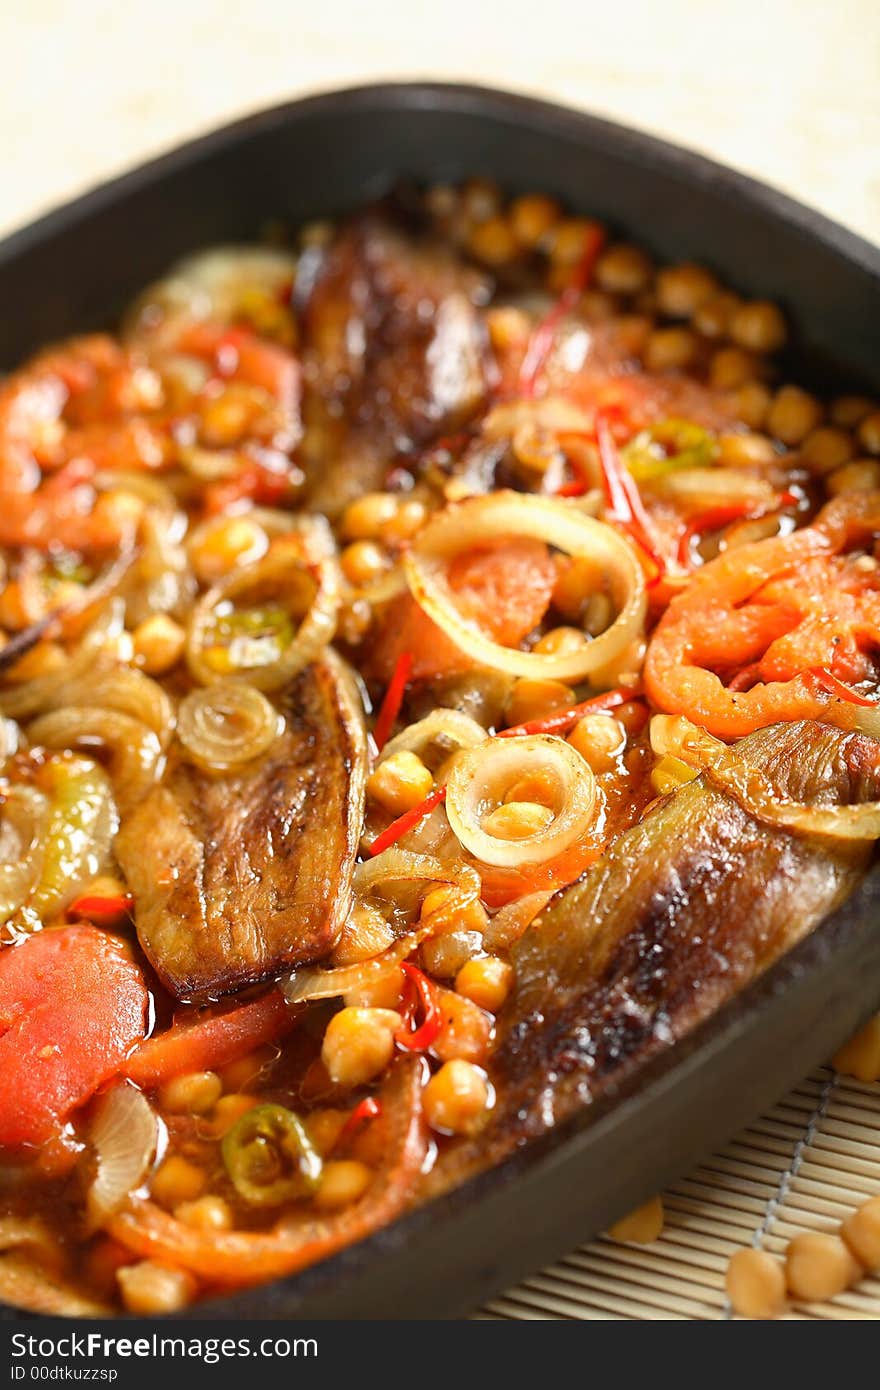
(716, 517)
(828, 681)
(422, 994)
(565, 719)
(393, 699)
(367, 1109)
(624, 500)
(541, 341)
(93, 905)
(399, 827)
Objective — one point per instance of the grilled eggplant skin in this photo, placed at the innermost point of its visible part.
(682, 912)
(239, 877)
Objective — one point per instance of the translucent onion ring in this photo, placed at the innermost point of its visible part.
(126, 1135)
(279, 569)
(753, 790)
(479, 778)
(225, 725)
(452, 726)
(476, 520)
(701, 489)
(136, 760)
(26, 812)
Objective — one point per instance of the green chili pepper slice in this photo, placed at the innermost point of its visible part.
(269, 1157)
(246, 638)
(669, 445)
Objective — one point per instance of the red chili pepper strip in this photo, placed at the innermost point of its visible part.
(367, 1109)
(624, 500)
(95, 906)
(541, 341)
(393, 699)
(424, 992)
(398, 828)
(828, 681)
(565, 718)
(717, 517)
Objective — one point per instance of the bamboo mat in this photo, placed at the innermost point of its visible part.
(804, 1166)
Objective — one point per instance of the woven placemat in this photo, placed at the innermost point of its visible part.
(804, 1166)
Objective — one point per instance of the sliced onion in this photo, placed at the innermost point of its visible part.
(79, 831)
(135, 751)
(445, 730)
(288, 574)
(753, 790)
(480, 777)
(23, 822)
(394, 865)
(124, 689)
(215, 284)
(225, 725)
(477, 520)
(29, 697)
(701, 489)
(126, 1135)
(514, 918)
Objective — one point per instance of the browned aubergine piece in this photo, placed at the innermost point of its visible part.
(393, 346)
(239, 877)
(682, 912)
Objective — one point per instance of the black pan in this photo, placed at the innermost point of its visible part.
(76, 268)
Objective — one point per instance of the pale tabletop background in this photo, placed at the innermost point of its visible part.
(788, 90)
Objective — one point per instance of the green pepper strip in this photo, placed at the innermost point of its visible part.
(667, 446)
(269, 1157)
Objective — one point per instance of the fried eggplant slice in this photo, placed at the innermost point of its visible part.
(684, 910)
(239, 877)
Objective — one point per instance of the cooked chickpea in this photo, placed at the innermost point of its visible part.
(178, 1180)
(862, 475)
(465, 1030)
(534, 699)
(158, 644)
(623, 269)
(849, 411)
(569, 239)
(732, 368)
(712, 319)
(683, 289)
(456, 1098)
(517, 820)
(793, 415)
(561, 641)
(244, 1071)
(364, 561)
(228, 1111)
(751, 401)
(486, 981)
(670, 349)
(364, 518)
(226, 418)
(194, 1093)
(220, 546)
(493, 242)
(42, 660)
(869, 432)
(149, 1288)
(406, 521)
(507, 327)
(578, 580)
(384, 993)
(759, 326)
(209, 1213)
(531, 218)
(480, 199)
(600, 739)
(818, 1265)
(441, 200)
(471, 917)
(342, 1182)
(642, 1226)
(861, 1231)
(860, 1057)
(745, 450)
(400, 782)
(359, 1044)
(755, 1284)
(325, 1127)
(827, 448)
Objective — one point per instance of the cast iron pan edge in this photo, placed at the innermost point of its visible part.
(444, 1259)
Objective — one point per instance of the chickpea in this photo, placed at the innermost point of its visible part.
(493, 241)
(759, 326)
(578, 579)
(208, 1213)
(818, 1265)
(793, 415)
(194, 1093)
(325, 1127)
(473, 917)
(465, 1030)
(228, 1111)
(642, 1226)
(561, 641)
(827, 448)
(531, 218)
(42, 660)
(480, 199)
(441, 200)
(507, 327)
(732, 367)
(244, 1071)
(751, 401)
(223, 544)
(598, 614)
(158, 644)
(755, 1284)
(600, 739)
(364, 561)
(517, 820)
(342, 1182)
(149, 1288)
(178, 1180)
(227, 417)
(359, 1044)
(486, 982)
(861, 1231)
(712, 319)
(457, 1098)
(683, 289)
(670, 349)
(849, 411)
(408, 518)
(569, 240)
(746, 450)
(869, 432)
(534, 699)
(860, 1057)
(364, 518)
(862, 475)
(384, 993)
(623, 269)
(400, 782)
